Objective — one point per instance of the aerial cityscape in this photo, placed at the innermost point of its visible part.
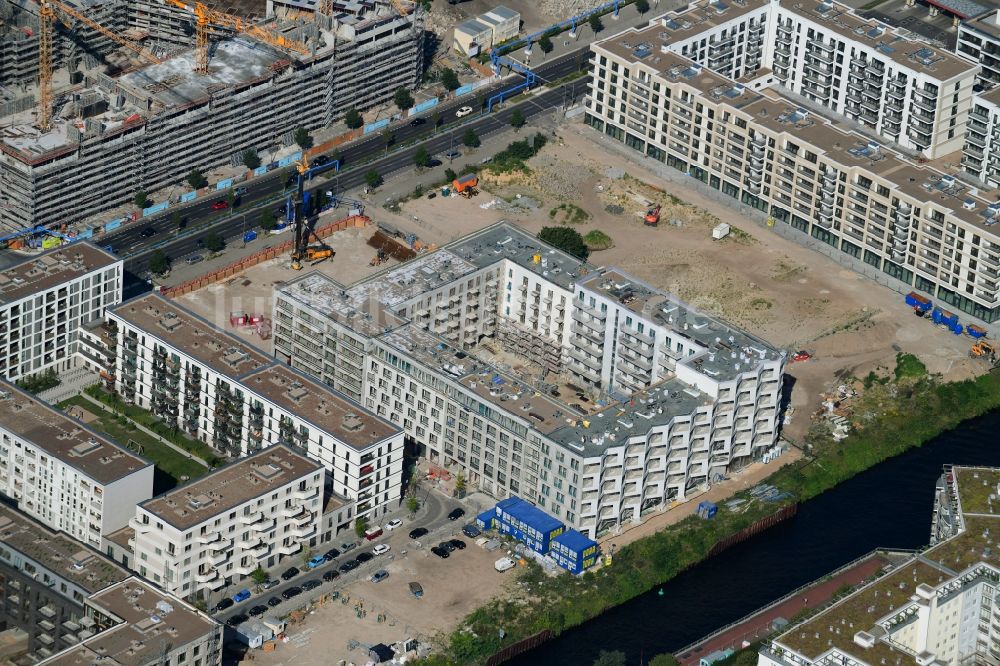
(446, 332)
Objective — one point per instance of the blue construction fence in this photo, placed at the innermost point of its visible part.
(541, 532)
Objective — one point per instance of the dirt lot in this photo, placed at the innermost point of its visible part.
(452, 589)
(775, 288)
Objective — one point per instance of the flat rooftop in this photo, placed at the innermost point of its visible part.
(230, 486)
(52, 268)
(698, 17)
(64, 438)
(320, 405)
(61, 554)
(150, 619)
(186, 332)
(988, 22)
(362, 312)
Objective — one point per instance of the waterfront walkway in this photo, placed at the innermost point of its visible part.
(760, 623)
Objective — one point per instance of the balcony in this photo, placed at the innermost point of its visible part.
(252, 517)
(305, 494)
(289, 548)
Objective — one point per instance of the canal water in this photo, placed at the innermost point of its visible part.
(887, 506)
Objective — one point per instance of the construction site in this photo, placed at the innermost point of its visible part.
(99, 100)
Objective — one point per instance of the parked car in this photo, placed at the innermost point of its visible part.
(393, 524)
(346, 546)
(315, 561)
(320, 160)
(364, 557)
(440, 552)
(504, 564)
(241, 596)
(417, 121)
(380, 576)
(291, 592)
(148, 232)
(193, 259)
(463, 112)
(457, 544)
(381, 549)
(454, 154)
(268, 584)
(418, 532)
(331, 554)
(223, 604)
(349, 565)
(456, 514)
(237, 619)
(446, 545)
(311, 585)
(290, 573)
(257, 610)
(220, 204)
(471, 531)
(416, 589)
(332, 574)
(274, 601)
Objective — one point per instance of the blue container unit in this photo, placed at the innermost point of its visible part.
(527, 523)
(573, 551)
(918, 302)
(487, 519)
(947, 319)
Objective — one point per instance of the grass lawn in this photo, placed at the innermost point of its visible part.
(171, 466)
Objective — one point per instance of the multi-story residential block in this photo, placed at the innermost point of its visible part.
(939, 607)
(45, 300)
(906, 91)
(45, 580)
(64, 474)
(981, 154)
(135, 624)
(659, 387)
(979, 41)
(921, 228)
(220, 390)
(220, 528)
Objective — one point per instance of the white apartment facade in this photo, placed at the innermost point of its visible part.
(921, 228)
(981, 153)
(220, 528)
(230, 396)
(63, 474)
(45, 300)
(702, 414)
(978, 40)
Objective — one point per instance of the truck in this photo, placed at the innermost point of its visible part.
(504, 564)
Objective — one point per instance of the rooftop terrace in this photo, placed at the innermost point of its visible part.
(61, 554)
(64, 438)
(51, 269)
(230, 486)
(698, 17)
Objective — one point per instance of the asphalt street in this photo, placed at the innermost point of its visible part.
(265, 194)
(432, 515)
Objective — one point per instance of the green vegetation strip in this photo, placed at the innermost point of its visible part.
(166, 459)
(919, 410)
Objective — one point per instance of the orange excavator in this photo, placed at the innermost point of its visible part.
(652, 217)
(983, 350)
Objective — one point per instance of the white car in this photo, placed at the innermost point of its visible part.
(381, 549)
(504, 564)
(463, 112)
(393, 524)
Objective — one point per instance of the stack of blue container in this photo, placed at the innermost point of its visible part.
(527, 523)
(573, 551)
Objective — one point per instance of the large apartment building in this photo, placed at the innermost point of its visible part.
(979, 41)
(45, 300)
(220, 528)
(923, 229)
(667, 398)
(224, 392)
(939, 607)
(63, 474)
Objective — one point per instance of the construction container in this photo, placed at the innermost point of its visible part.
(249, 236)
(975, 331)
(485, 520)
(918, 302)
(573, 551)
(527, 523)
(947, 319)
(720, 231)
(706, 510)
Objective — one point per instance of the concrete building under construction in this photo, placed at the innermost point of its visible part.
(119, 127)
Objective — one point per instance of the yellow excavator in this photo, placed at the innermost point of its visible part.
(983, 350)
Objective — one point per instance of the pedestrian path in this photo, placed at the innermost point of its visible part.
(71, 383)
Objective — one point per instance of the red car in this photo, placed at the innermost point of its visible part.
(801, 356)
(220, 204)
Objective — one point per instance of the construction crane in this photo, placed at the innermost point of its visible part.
(208, 17)
(47, 15)
(300, 233)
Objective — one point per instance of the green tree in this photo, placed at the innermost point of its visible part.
(607, 658)
(353, 119)
(213, 242)
(665, 659)
(450, 175)
(231, 198)
(307, 554)
(373, 178)
(449, 79)
(387, 139)
(412, 504)
(360, 526)
(545, 44)
(460, 484)
(470, 138)
(517, 119)
(403, 99)
(259, 576)
(250, 159)
(268, 221)
(566, 239)
(422, 158)
(141, 199)
(303, 139)
(177, 220)
(595, 23)
(158, 262)
(642, 6)
(436, 119)
(196, 179)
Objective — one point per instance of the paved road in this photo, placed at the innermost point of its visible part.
(432, 515)
(264, 194)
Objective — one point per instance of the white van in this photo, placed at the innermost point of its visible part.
(504, 564)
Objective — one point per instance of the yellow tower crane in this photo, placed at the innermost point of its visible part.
(206, 17)
(47, 14)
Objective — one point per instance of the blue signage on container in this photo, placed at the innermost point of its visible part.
(112, 225)
(376, 126)
(155, 208)
(189, 196)
(223, 184)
